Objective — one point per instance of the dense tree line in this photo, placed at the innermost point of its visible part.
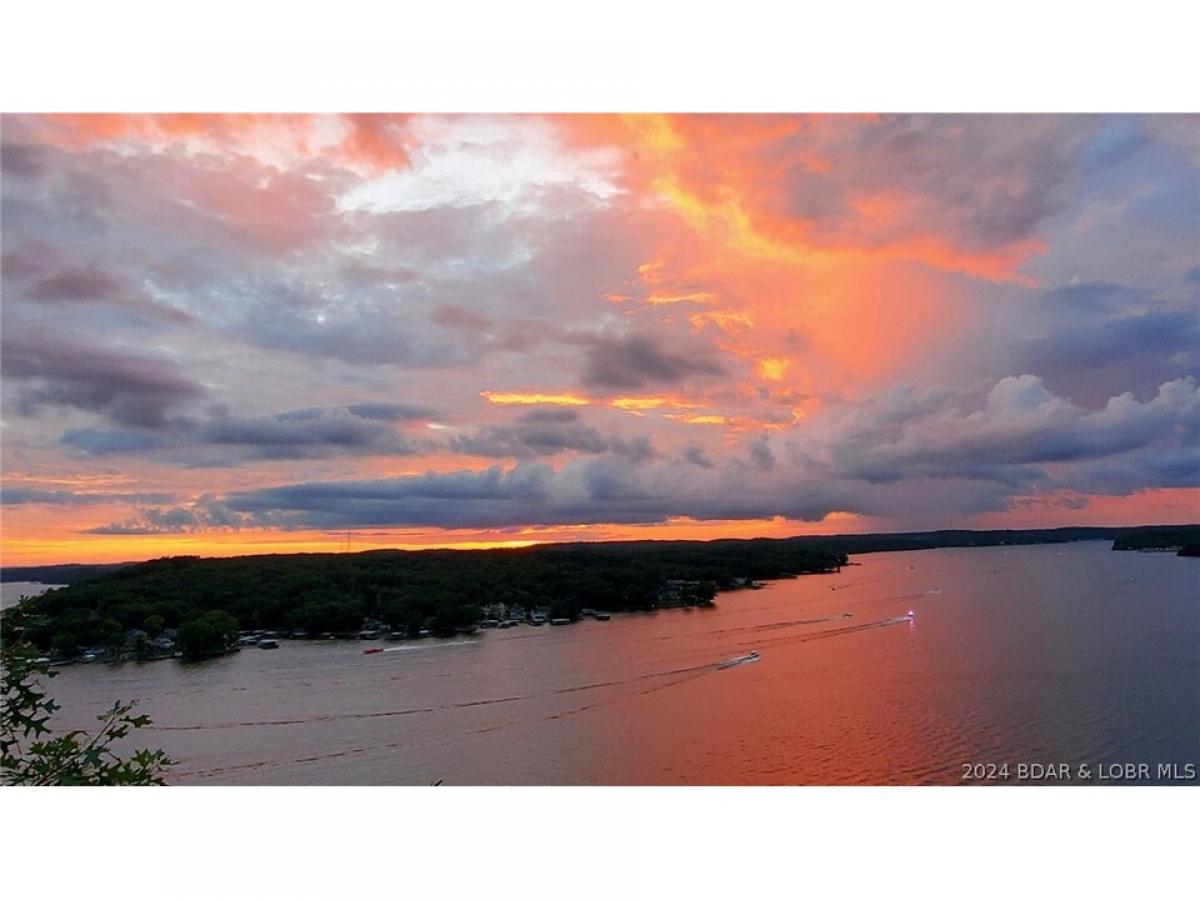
(208, 600)
(444, 590)
(1169, 537)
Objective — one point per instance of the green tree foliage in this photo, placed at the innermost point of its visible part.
(450, 619)
(1159, 538)
(213, 632)
(409, 591)
(29, 755)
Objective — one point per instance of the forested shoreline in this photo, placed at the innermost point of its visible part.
(203, 603)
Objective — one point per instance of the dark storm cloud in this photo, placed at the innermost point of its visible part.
(635, 361)
(128, 388)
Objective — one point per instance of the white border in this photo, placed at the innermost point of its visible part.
(626, 56)
(623, 55)
(600, 842)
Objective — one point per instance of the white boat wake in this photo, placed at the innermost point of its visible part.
(750, 657)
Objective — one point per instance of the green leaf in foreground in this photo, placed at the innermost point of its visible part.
(29, 755)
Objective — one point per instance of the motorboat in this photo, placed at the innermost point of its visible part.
(738, 660)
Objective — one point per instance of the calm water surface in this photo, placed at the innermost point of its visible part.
(1045, 654)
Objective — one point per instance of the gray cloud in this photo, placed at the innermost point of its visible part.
(393, 412)
(537, 433)
(284, 437)
(695, 455)
(127, 388)
(1019, 433)
(225, 439)
(761, 456)
(1098, 339)
(987, 181)
(18, 496)
(90, 284)
(104, 441)
(635, 361)
(205, 515)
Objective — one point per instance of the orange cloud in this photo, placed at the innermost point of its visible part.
(376, 141)
(533, 398)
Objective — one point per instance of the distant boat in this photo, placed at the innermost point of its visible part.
(371, 650)
(601, 616)
(268, 644)
(738, 660)
(560, 621)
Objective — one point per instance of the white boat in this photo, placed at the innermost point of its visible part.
(738, 660)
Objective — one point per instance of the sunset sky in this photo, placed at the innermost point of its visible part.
(251, 333)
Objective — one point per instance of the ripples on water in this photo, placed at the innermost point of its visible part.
(1041, 654)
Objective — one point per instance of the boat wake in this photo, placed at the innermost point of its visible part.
(750, 657)
(653, 681)
(683, 673)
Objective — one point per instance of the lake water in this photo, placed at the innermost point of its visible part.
(1046, 654)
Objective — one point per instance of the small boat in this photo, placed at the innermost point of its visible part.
(371, 650)
(601, 616)
(560, 621)
(738, 660)
(268, 644)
